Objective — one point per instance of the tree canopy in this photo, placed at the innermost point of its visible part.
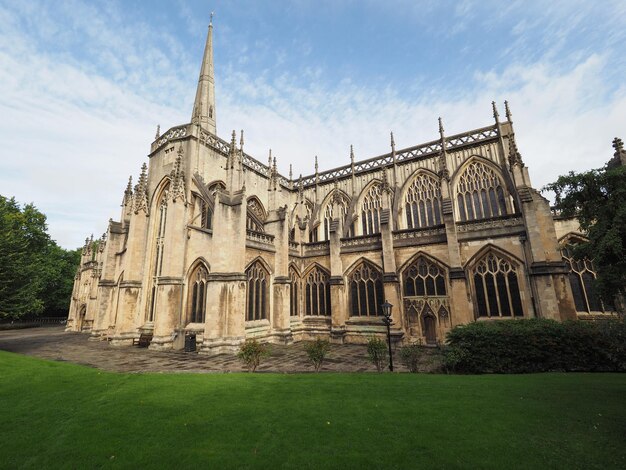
(36, 275)
(597, 198)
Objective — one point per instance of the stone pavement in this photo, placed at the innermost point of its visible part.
(56, 344)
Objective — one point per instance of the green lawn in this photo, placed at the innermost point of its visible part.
(69, 416)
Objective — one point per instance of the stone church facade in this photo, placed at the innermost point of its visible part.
(214, 243)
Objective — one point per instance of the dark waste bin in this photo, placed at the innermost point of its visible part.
(190, 343)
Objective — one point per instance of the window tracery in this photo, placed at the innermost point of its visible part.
(294, 292)
(337, 208)
(366, 290)
(480, 193)
(158, 249)
(424, 278)
(255, 215)
(317, 293)
(370, 210)
(582, 276)
(257, 302)
(497, 288)
(423, 202)
(197, 295)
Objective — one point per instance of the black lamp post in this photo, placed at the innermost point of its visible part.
(388, 321)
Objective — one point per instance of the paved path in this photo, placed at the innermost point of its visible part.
(56, 344)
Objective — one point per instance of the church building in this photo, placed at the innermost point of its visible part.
(213, 243)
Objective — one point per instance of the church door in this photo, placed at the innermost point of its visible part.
(430, 329)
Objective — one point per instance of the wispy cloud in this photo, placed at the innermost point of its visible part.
(84, 85)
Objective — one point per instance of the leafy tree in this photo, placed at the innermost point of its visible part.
(58, 269)
(36, 275)
(597, 198)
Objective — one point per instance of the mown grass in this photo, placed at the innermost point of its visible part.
(59, 415)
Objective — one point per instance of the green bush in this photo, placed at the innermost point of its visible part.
(377, 352)
(252, 352)
(410, 356)
(316, 351)
(536, 345)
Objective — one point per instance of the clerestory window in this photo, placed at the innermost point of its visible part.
(480, 193)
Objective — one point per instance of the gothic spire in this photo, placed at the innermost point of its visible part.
(507, 112)
(141, 191)
(128, 193)
(204, 105)
(496, 116)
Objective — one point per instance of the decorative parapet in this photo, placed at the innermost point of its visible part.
(429, 149)
(260, 237)
(507, 221)
(214, 142)
(362, 243)
(316, 248)
(422, 151)
(174, 133)
(420, 236)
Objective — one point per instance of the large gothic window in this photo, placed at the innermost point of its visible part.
(335, 209)
(255, 219)
(422, 203)
(480, 193)
(424, 278)
(257, 302)
(206, 208)
(496, 285)
(317, 292)
(157, 263)
(294, 292)
(370, 210)
(197, 294)
(366, 290)
(581, 277)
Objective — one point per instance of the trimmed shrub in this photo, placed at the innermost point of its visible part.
(410, 356)
(252, 352)
(536, 345)
(377, 352)
(316, 351)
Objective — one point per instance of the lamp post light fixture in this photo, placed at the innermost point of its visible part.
(388, 321)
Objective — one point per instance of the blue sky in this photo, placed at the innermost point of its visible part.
(83, 85)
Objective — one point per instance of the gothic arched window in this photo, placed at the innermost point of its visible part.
(206, 208)
(159, 231)
(581, 277)
(480, 193)
(335, 209)
(497, 288)
(257, 303)
(366, 290)
(422, 203)
(294, 292)
(255, 215)
(317, 293)
(370, 210)
(197, 294)
(424, 278)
